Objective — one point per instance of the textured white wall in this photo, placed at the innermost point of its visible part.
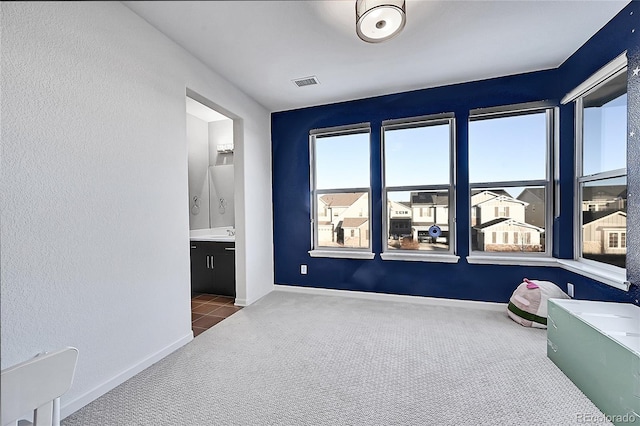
(94, 229)
(198, 170)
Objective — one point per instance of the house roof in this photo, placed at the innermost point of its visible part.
(341, 200)
(398, 204)
(514, 222)
(589, 217)
(433, 197)
(354, 222)
(507, 198)
(536, 192)
(491, 223)
(491, 191)
(605, 192)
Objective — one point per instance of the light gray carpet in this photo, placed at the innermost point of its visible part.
(293, 359)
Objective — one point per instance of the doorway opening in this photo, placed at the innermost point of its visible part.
(211, 143)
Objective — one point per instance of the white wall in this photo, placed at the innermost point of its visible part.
(198, 170)
(94, 247)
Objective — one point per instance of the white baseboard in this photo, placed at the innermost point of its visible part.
(433, 301)
(240, 302)
(73, 406)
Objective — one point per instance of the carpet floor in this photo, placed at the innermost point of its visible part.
(298, 359)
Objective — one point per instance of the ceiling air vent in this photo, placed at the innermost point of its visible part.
(306, 81)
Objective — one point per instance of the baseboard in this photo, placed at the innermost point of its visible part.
(433, 301)
(240, 302)
(73, 406)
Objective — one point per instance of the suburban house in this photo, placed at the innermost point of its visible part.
(605, 232)
(343, 219)
(430, 208)
(499, 222)
(95, 236)
(506, 234)
(603, 198)
(534, 210)
(489, 205)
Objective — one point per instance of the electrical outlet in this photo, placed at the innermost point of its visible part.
(570, 289)
(303, 269)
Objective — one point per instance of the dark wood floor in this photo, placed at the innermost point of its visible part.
(208, 309)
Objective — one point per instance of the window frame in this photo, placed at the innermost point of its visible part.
(549, 183)
(605, 75)
(448, 256)
(607, 274)
(314, 192)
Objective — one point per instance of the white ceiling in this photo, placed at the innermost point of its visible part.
(261, 46)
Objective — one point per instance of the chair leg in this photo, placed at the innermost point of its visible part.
(56, 412)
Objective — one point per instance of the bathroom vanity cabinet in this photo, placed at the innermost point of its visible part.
(213, 268)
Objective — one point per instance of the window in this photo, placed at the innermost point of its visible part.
(509, 174)
(418, 158)
(613, 240)
(601, 165)
(340, 189)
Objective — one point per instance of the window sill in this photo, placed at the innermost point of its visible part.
(342, 254)
(512, 260)
(613, 278)
(617, 279)
(421, 257)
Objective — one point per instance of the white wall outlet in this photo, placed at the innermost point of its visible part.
(303, 269)
(570, 289)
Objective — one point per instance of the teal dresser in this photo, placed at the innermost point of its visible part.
(597, 345)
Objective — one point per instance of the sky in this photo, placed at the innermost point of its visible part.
(500, 149)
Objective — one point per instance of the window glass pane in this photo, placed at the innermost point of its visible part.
(418, 220)
(508, 219)
(342, 161)
(508, 148)
(604, 221)
(605, 127)
(417, 156)
(343, 220)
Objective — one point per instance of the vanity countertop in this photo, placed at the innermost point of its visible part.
(214, 234)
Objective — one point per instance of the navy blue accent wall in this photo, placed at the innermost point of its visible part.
(291, 174)
(620, 34)
(633, 153)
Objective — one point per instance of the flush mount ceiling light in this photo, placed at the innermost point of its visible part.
(379, 20)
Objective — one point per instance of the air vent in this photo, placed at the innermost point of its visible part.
(306, 81)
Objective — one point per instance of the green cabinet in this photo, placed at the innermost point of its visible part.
(597, 345)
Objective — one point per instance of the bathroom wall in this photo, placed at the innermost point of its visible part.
(198, 145)
(210, 173)
(221, 182)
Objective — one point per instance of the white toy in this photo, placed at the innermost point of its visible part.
(528, 304)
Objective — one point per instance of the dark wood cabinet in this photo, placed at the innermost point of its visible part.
(213, 268)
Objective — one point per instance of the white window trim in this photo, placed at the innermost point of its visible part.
(416, 255)
(614, 277)
(601, 75)
(411, 256)
(511, 259)
(342, 254)
(552, 115)
(336, 252)
(608, 274)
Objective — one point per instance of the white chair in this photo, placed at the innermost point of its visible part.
(37, 385)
